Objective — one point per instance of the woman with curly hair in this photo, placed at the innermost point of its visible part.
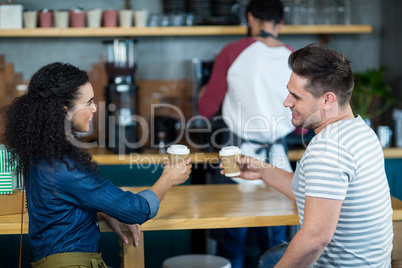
(65, 193)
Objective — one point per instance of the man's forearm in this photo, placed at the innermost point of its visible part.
(278, 179)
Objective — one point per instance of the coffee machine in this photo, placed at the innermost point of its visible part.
(121, 97)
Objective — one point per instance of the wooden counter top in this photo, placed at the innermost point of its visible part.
(397, 207)
(105, 157)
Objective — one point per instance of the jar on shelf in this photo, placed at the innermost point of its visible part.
(21, 89)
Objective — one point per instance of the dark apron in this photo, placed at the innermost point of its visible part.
(235, 140)
(238, 141)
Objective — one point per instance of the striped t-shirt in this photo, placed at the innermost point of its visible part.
(345, 162)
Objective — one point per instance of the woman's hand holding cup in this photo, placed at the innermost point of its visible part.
(178, 164)
(177, 172)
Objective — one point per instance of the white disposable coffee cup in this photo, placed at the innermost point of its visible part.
(177, 152)
(140, 18)
(229, 156)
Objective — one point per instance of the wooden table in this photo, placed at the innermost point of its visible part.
(206, 207)
(227, 206)
(214, 206)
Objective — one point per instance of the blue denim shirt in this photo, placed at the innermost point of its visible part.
(63, 206)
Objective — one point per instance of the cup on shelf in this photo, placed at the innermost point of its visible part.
(343, 10)
(165, 21)
(140, 17)
(30, 18)
(77, 18)
(189, 19)
(330, 12)
(154, 20)
(45, 18)
(287, 11)
(61, 18)
(229, 156)
(125, 18)
(177, 153)
(110, 18)
(298, 15)
(94, 18)
(21, 89)
(311, 12)
(384, 134)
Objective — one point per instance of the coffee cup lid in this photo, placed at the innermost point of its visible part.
(229, 150)
(178, 149)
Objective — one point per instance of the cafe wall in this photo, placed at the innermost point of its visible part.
(391, 55)
(168, 57)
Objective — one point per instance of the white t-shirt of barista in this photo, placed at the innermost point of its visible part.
(257, 87)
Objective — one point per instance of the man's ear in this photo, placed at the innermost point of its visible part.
(329, 100)
(280, 25)
(250, 18)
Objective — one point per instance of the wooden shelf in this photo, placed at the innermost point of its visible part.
(178, 31)
(326, 29)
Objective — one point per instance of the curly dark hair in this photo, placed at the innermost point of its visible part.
(34, 123)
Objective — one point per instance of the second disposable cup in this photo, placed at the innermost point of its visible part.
(229, 156)
(177, 153)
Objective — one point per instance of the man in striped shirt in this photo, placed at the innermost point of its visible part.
(339, 185)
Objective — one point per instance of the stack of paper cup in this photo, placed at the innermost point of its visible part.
(125, 18)
(77, 18)
(61, 18)
(110, 18)
(30, 19)
(94, 18)
(140, 17)
(45, 18)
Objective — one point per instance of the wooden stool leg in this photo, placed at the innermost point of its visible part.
(133, 257)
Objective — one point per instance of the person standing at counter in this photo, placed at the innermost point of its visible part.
(248, 81)
(339, 185)
(65, 194)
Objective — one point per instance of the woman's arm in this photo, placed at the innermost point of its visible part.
(173, 174)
